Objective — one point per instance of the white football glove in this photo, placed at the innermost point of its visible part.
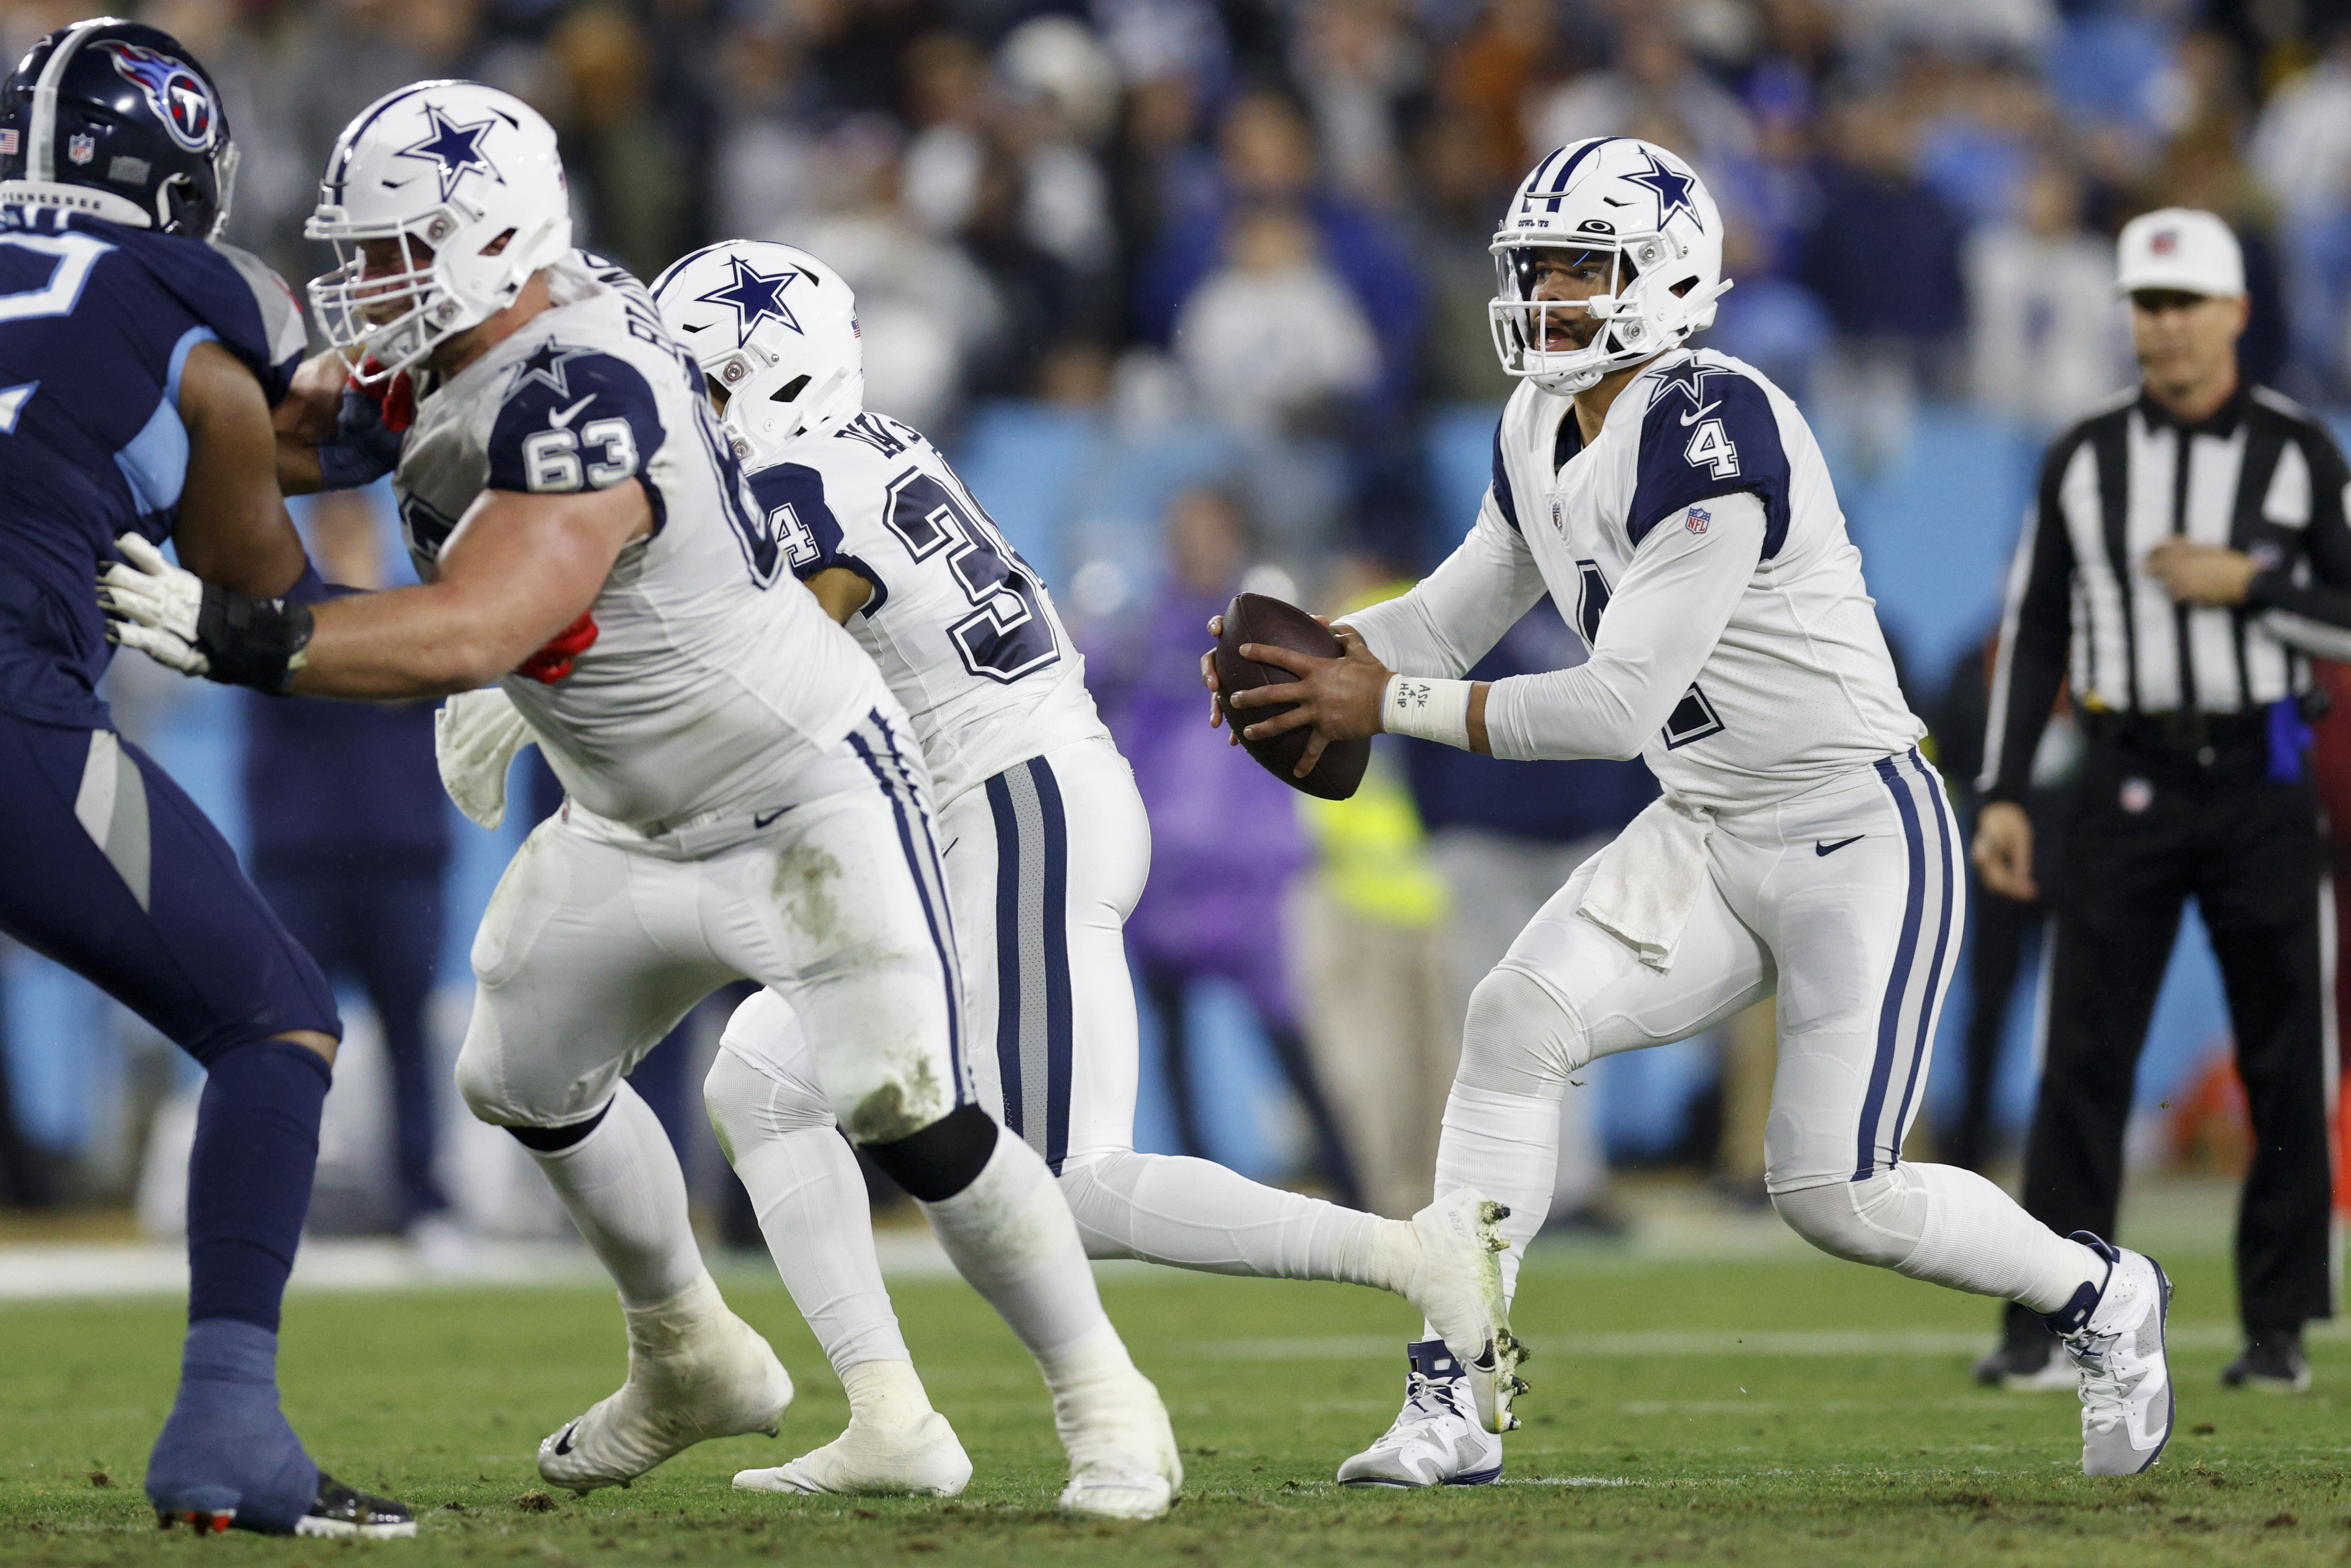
(475, 737)
(154, 606)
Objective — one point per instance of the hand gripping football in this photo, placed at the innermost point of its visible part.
(1254, 617)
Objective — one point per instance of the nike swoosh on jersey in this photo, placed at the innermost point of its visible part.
(562, 420)
(1820, 848)
(1691, 418)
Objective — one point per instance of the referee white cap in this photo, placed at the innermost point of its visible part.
(2179, 248)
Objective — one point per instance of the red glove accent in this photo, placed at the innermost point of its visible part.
(395, 399)
(553, 662)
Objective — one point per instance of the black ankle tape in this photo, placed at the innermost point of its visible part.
(941, 1160)
(548, 1140)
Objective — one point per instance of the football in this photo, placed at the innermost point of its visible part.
(1254, 617)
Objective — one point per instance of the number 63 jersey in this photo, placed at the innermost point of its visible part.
(712, 679)
(960, 625)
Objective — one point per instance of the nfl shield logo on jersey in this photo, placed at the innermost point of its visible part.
(1698, 519)
(82, 149)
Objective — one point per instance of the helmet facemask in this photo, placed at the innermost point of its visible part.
(398, 317)
(1645, 310)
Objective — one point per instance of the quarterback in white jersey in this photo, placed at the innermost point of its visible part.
(1674, 503)
(1047, 847)
(744, 796)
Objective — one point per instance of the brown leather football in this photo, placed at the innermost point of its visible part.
(1255, 618)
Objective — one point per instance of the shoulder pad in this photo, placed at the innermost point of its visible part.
(1711, 429)
(573, 418)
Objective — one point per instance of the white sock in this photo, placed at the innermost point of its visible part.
(625, 1192)
(885, 1395)
(1166, 1209)
(1946, 1226)
(1506, 1146)
(1010, 1235)
(1977, 1238)
(811, 1199)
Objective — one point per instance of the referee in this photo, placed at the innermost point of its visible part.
(2188, 548)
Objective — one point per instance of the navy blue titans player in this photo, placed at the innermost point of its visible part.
(1676, 502)
(744, 796)
(139, 360)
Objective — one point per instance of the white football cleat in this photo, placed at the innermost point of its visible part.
(1458, 1285)
(1437, 1440)
(695, 1371)
(1123, 1458)
(896, 1444)
(2126, 1394)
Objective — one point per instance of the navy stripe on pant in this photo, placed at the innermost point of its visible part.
(915, 840)
(1034, 1027)
(1901, 1030)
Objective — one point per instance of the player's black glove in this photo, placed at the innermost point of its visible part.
(178, 618)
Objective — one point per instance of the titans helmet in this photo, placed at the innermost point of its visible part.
(463, 182)
(1643, 209)
(117, 120)
(775, 331)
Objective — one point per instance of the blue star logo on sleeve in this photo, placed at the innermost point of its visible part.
(453, 149)
(753, 297)
(1672, 190)
(1689, 379)
(547, 365)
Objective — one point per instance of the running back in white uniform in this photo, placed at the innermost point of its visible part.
(702, 690)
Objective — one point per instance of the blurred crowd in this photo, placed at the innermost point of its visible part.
(1269, 217)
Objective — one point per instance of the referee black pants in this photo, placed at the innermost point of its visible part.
(2152, 827)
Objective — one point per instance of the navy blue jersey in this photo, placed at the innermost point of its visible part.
(96, 320)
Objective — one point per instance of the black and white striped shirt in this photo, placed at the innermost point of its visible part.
(2260, 476)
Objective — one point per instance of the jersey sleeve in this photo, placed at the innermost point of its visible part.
(795, 511)
(250, 309)
(1710, 432)
(575, 419)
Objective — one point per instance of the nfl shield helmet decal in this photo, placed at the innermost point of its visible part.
(81, 148)
(181, 99)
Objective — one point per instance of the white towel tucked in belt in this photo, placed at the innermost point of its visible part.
(1649, 879)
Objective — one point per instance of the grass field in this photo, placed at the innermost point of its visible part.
(1769, 1410)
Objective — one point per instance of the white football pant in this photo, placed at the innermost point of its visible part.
(1847, 902)
(1044, 862)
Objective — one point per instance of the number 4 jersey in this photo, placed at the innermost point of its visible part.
(1745, 624)
(711, 678)
(960, 625)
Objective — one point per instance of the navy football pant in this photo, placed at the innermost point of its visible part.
(112, 871)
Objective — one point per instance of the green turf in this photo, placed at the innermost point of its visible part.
(1845, 1431)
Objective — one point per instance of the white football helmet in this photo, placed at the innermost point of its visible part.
(468, 180)
(1649, 212)
(775, 331)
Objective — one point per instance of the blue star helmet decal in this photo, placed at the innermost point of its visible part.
(453, 149)
(753, 297)
(1672, 190)
(546, 364)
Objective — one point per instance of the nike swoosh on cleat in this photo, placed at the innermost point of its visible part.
(561, 421)
(762, 819)
(563, 1443)
(1820, 848)
(1691, 418)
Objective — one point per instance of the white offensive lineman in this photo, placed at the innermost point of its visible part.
(744, 796)
(1046, 848)
(1674, 503)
